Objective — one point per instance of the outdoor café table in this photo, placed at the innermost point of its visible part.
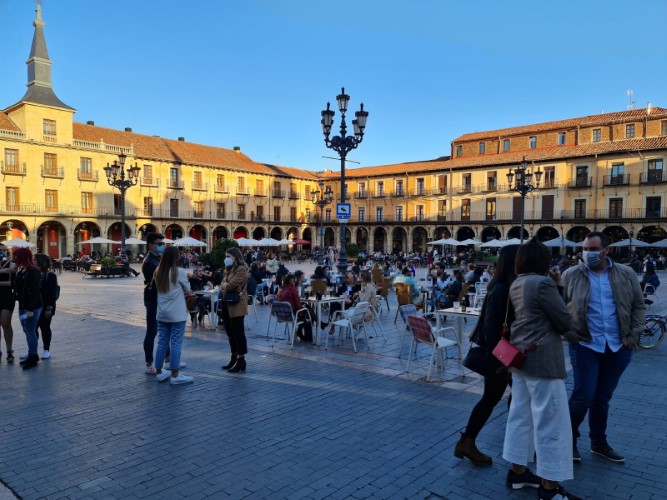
(460, 315)
(212, 315)
(326, 299)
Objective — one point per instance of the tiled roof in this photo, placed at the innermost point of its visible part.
(158, 148)
(6, 123)
(633, 114)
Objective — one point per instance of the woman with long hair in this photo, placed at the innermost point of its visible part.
(486, 335)
(29, 296)
(48, 287)
(172, 284)
(233, 314)
(7, 303)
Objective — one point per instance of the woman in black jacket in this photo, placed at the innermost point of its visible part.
(48, 287)
(487, 334)
(29, 296)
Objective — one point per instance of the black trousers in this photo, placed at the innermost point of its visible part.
(235, 329)
(44, 327)
(494, 388)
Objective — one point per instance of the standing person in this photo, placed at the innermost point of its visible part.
(26, 288)
(272, 264)
(607, 305)
(172, 284)
(49, 289)
(233, 315)
(538, 420)
(486, 335)
(155, 243)
(7, 303)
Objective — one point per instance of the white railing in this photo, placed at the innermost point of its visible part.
(12, 133)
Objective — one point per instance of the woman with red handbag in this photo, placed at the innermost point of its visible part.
(539, 419)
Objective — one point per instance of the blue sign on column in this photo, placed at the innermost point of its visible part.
(343, 210)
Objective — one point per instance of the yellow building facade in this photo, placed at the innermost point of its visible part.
(603, 172)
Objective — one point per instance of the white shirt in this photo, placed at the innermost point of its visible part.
(171, 306)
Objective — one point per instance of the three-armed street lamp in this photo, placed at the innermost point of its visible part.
(523, 185)
(343, 144)
(116, 178)
(322, 198)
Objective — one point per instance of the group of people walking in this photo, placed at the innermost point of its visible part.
(26, 280)
(598, 308)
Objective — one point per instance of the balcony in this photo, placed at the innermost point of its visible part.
(13, 169)
(277, 193)
(261, 192)
(399, 193)
(464, 189)
(174, 184)
(199, 186)
(361, 195)
(490, 187)
(420, 191)
(198, 214)
(652, 177)
(150, 181)
(50, 138)
(83, 175)
(548, 184)
(257, 217)
(616, 180)
(580, 183)
(53, 172)
(221, 188)
(294, 195)
(379, 194)
(243, 191)
(440, 191)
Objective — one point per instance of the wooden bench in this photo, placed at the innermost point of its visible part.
(93, 271)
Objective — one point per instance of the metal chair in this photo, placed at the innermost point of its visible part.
(352, 320)
(422, 333)
(283, 313)
(405, 311)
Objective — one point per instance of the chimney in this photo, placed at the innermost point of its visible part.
(90, 122)
(237, 149)
(181, 139)
(128, 129)
(648, 108)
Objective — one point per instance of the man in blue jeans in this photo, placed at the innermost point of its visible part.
(155, 243)
(606, 302)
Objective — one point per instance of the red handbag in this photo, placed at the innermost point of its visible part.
(505, 352)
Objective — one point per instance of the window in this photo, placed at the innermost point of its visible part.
(653, 206)
(379, 214)
(442, 184)
(11, 158)
(361, 190)
(116, 204)
(597, 134)
(276, 214)
(277, 191)
(629, 131)
(327, 215)
(85, 165)
(490, 209)
(240, 185)
(491, 181)
(465, 183)
(148, 173)
(306, 192)
(148, 206)
(220, 186)
(346, 193)
(220, 212)
(399, 187)
(173, 178)
(579, 209)
(51, 200)
(654, 173)
(561, 138)
(12, 197)
(49, 130)
(399, 214)
(616, 208)
(663, 127)
(465, 209)
(50, 164)
(442, 210)
(362, 214)
(617, 173)
(292, 214)
(379, 188)
(241, 208)
(420, 187)
(549, 177)
(198, 182)
(581, 179)
(173, 207)
(532, 142)
(506, 145)
(482, 148)
(87, 203)
(260, 212)
(459, 150)
(199, 209)
(307, 214)
(419, 212)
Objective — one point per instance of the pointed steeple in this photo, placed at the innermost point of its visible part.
(40, 90)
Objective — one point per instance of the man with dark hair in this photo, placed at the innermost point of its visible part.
(155, 243)
(606, 303)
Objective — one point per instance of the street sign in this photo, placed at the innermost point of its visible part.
(343, 210)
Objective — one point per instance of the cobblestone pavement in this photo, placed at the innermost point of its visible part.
(306, 423)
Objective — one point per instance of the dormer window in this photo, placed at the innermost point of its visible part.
(459, 150)
(482, 148)
(629, 131)
(532, 142)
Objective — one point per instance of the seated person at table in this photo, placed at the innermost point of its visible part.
(651, 280)
(454, 289)
(368, 292)
(442, 281)
(198, 280)
(348, 290)
(289, 293)
(407, 278)
(272, 290)
(320, 274)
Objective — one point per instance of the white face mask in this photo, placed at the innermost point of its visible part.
(592, 258)
(229, 261)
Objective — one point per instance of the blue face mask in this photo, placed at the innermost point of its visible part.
(229, 261)
(159, 249)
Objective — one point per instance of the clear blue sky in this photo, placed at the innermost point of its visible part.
(257, 73)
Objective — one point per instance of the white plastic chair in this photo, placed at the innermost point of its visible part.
(480, 294)
(422, 333)
(283, 313)
(353, 321)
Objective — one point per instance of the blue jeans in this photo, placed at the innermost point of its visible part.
(171, 338)
(596, 376)
(29, 326)
(151, 330)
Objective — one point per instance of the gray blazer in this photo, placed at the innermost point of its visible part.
(540, 316)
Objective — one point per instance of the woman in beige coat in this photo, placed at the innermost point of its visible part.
(233, 314)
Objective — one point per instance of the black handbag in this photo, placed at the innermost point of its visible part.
(482, 361)
(231, 297)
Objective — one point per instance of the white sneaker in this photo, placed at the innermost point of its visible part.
(180, 366)
(181, 379)
(161, 377)
(46, 355)
(150, 370)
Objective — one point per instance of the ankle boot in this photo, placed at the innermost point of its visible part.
(466, 448)
(239, 366)
(31, 361)
(10, 356)
(231, 363)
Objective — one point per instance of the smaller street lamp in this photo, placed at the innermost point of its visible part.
(523, 185)
(116, 178)
(322, 198)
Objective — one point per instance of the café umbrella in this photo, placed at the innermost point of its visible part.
(18, 243)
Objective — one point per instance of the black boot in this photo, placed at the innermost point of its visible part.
(239, 366)
(231, 363)
(10, 356)
(31, 361)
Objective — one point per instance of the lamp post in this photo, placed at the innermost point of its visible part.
(116, 178)
(343, 144)
(523, 185)
(322, 198)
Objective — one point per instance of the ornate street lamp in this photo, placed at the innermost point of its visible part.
(343, 144)
(116, 178)
(523, 185)
(322, 198)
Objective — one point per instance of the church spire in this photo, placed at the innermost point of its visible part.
(40, 90)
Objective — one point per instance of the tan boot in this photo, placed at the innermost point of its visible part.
(466, 448)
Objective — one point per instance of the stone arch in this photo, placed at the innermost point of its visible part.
(308, 235)
(490, 233)
(277, 233)
(465, 232)
(258, 233)
(515, 232)
(419, 239)
(651, 234)
(52, 239)
(399, 240)
(145, 229)
(441, 232)
(220, 233)
(240, 232)
(173, 232)
(379, 239)
(199, 232)
(616, 233)
(14, 228)
(577, 233)
(329, 237)
(292, 233)
(361, 238)
(546, 233)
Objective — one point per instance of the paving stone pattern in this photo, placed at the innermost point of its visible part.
(306, 423)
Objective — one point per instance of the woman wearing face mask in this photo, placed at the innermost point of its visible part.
(7, 302)
(27, 290)
(233, 314)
